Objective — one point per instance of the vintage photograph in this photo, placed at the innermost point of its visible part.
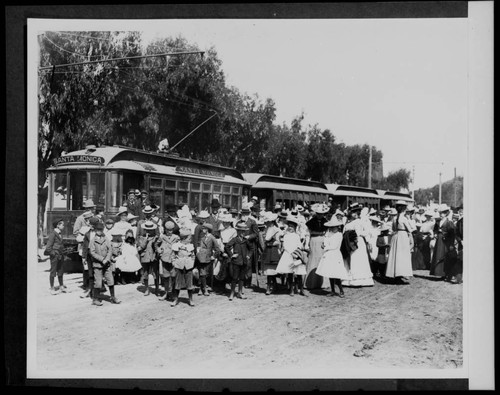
(249, 198)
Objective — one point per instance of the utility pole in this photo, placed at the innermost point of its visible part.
(413, 184)
(370, 169)
(439, 187)
(455, 187)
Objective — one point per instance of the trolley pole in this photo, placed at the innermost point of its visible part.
(370, 169)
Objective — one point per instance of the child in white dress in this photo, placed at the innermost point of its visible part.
(331, 264)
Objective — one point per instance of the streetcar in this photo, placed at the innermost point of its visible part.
(344, 195)
(389, 198)
(287, 192)
(105, 174)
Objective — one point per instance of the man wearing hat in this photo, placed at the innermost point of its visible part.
(100, 250)
(88, 268)
(213, 219)
(277, 208)
(82, 220)
(252, 236)
(133, 205)
(171, 216)
(147, 215)
(444, 254)
(54, 249)
(144, 201)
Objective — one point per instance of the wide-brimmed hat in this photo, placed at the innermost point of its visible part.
(148, 210)
(429, 213)
(245, 209)
(155, 207)
(372, 211)
(277, 206)
(339, 212)
(241, 226)
(401, 203)
(320, 208)
(226, 218)
(203, 214)
(89, 203)
(375, 219)
(269, 217)
(255, 198)
(115, 232)
(215, 203)
(282, 214)
(207, 225)
(386, 208)
(184, 232)
(299, 208)
(122, 210)
(443, 207)
(149, 225)
(355, 207)
(131, 216)
(291, 219)
(137, 192)
(333, 222)
(87, 214)
(110, 221)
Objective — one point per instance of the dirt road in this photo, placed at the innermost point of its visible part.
(385, 326)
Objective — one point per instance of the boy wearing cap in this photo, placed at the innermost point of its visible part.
(166, 267)
(100, 250)
(207, 249)
(238, 250)
(147, 215)
(54, 249)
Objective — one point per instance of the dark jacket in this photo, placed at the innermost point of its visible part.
(206, 248)
(240, 246)
(54, 244)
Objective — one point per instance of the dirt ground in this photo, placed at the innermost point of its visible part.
(385, 326)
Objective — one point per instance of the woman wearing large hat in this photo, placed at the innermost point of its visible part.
(317, 229)
(357, 262)
(399, 259)
(442, 260)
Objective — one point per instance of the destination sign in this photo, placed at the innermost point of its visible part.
(199, 172)
(79, 159)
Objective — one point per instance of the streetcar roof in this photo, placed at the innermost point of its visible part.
(258, 180)
(390, 195)
(107, 157)
(350, 190)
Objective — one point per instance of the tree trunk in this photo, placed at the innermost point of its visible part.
(42, 200)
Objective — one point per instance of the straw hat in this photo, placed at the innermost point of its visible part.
(443, 207)
(270, 217)
(122, 210)
(291, 219)
(355, 207)
(148, 210)
(241, 226)
(149, 225)
(89, 203)
(131, 216)
(203, 214)
(320, 208)
(401, 203)
(333, 222)
(375, 219)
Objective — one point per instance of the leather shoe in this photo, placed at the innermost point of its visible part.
(114, 300)
(96, 302)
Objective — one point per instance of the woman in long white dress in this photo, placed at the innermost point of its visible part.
(357, 263)
(399, 260)
(331, 264)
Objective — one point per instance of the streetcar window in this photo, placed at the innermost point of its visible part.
(183, 186)
(236, 190)
(182, 197)
(226, 200)
(234, 201)
(114, 190)
(205, 200)
(78, 190)
(217, 188)
(131, 181)
(169, 198)
(226, 189)
(207, 187)
(59, 198)
(96, 190)
(155, 196)
(195, 186)
(155, 183)
(170, 184)
(194, 202)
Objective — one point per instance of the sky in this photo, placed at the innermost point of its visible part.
(399, 85)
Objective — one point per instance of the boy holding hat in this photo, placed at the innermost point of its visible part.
(54, 249)
(171, 216)
(101, 251)
(238, 251)
(183, 261)
(166, 267)
(146, 247)
(82, 220)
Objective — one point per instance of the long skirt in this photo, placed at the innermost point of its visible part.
(313, 280)
(426, 252)
(359, 272)
(399, 261)
(332, 265)
(270, 258)
(438, 256)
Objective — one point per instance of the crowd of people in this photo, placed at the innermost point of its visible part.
(222, 250)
